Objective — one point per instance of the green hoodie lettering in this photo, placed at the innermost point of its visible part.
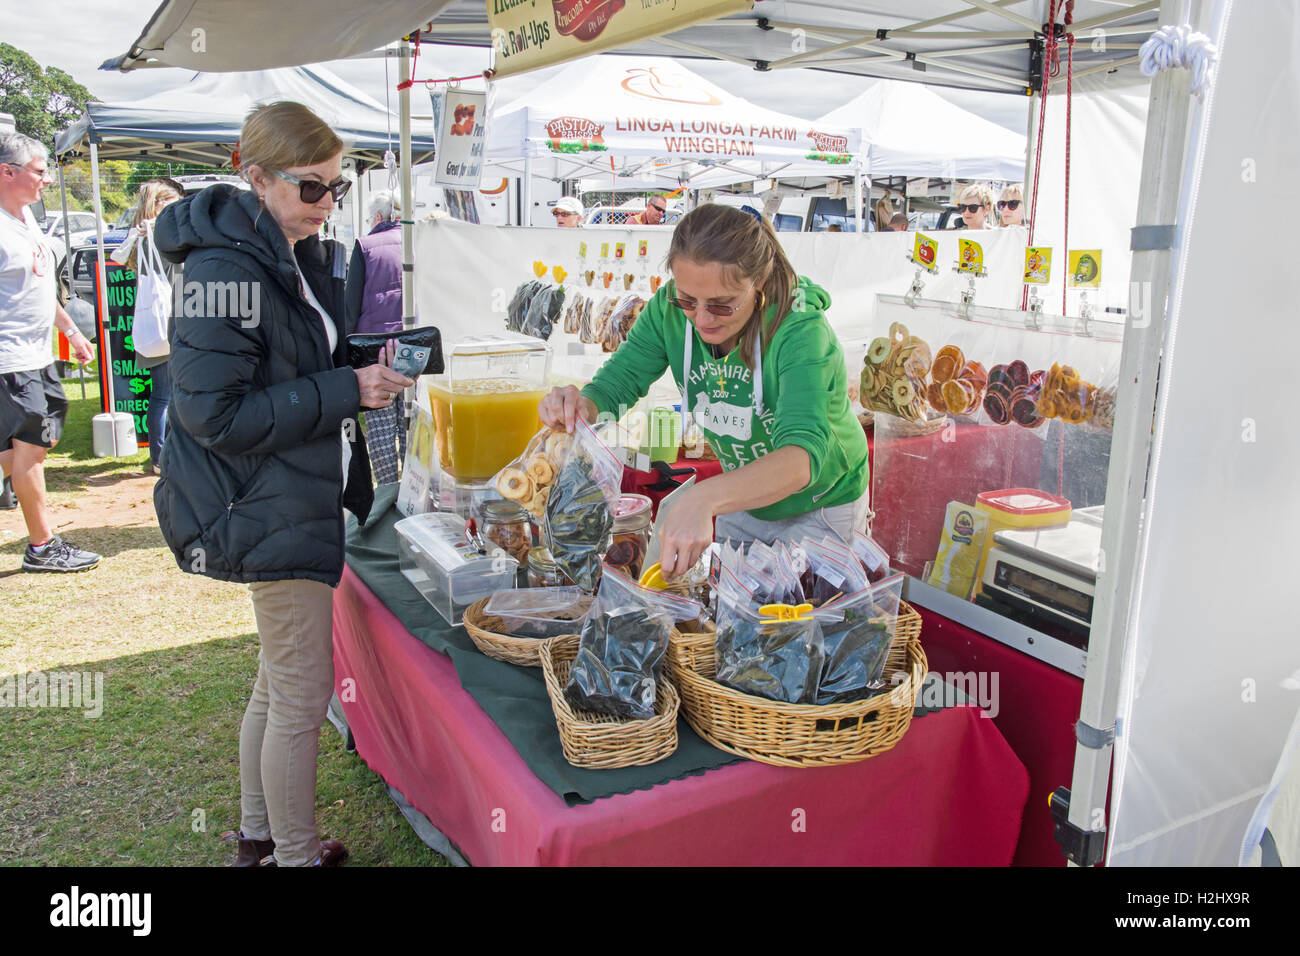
(805, 396)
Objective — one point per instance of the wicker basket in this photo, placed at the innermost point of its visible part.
(523, 651)
(798, 735)
(599, 741)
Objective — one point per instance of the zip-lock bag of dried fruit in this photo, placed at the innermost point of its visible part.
(529, 478)
(579, 521)
(777, 658)
(622, 647)
(857, 631)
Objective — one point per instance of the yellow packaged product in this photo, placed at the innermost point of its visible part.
(960, 547)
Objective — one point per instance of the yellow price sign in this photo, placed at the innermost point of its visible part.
(643, 248)
(1038, 265)
(1085, 268)
(582, 250)
(925, 251)
(604, 250)
(618, 249)
(970, 256)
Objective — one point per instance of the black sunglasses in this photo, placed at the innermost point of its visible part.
(1011, 204)
(311, 190)
(660, 208)
(970, 207)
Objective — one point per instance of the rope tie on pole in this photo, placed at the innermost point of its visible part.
(1180, 46)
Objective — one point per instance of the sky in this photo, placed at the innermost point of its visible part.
(100, 29)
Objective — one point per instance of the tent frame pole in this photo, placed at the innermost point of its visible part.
(857, 201)
(67, 256)
(105, 346)
(1158, 197)
(404, 161)
(526, 189)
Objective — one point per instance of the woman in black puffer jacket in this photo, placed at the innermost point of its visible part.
(262, 429)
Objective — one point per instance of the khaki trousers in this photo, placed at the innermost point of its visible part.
(280, 734)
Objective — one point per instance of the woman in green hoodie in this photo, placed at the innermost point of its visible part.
(747, 342)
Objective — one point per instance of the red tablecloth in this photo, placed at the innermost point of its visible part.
(1038, 707)
(951, 793)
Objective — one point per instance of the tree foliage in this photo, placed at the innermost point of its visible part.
(42, 100)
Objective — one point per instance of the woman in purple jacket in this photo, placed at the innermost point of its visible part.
(374, 304)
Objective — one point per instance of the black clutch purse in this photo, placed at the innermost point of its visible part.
(419, 351)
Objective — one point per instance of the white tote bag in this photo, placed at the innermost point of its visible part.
(153, 302)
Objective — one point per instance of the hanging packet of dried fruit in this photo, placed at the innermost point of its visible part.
(579, 520)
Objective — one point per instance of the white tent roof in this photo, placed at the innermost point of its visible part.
(200, 120)
(915, 132)
(983, 46)
(652, 119)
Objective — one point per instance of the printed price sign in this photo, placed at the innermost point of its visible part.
(582, 250)
(1038, 265)
(970, 257)
(604, 250)
(618, 249)
(461, 134)
(643, 249)
(925, 252)
(132, 385)
(1085, 268)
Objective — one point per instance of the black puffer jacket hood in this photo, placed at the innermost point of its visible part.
(252, 486)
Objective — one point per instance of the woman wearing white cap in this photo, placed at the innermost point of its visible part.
(568, 213)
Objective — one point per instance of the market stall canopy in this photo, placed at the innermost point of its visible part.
(651, 117)
(974, 44)
(912, 131)
(230, 35)
(200, 120)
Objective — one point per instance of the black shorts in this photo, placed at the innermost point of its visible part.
(32, 408)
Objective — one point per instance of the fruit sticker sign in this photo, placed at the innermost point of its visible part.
(925, 252)
(1038, 265)
(1085, 268)
(970, 257)
(529, 34)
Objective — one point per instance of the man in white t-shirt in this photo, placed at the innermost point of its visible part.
(32, 404)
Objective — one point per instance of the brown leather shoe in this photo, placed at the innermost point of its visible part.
(250, 852)
(332, 853)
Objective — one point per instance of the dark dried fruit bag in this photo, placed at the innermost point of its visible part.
(622, 647)
(579, 517)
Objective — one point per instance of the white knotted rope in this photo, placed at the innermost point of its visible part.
(1180, 46)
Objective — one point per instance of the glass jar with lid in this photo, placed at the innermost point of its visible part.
(543, 572)
(631, 536)
(505, 523)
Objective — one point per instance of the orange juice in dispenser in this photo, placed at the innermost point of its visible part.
(485, 406)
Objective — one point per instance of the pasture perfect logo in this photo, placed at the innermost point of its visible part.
(829, 148)
(670, 88)
(584, 19)
(573, 134)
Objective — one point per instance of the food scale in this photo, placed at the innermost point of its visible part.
(1047, 576)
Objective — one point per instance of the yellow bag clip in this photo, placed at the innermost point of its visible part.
(786, 612)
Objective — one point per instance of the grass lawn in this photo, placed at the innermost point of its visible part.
(155, 779)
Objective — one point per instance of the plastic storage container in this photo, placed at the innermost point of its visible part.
(485, 406)
(443, 566)
(1017, 508)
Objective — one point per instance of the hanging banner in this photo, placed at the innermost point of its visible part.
(460, 119)
(529, 34)
(132, 385)
(666, 112)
